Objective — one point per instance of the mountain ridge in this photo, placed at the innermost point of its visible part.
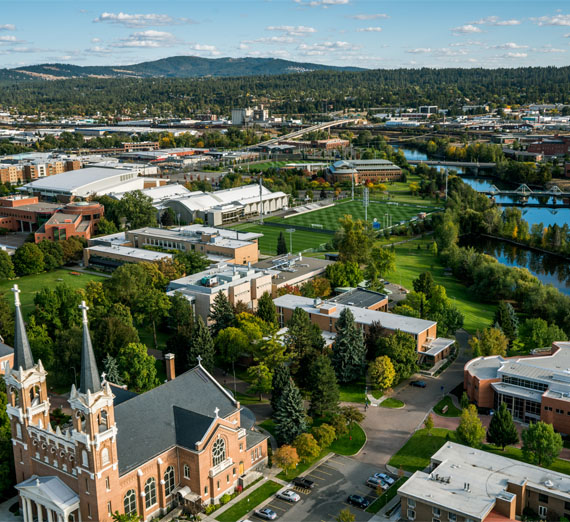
(171, 67)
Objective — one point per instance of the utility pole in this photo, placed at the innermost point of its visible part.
(353, 185)
(365, 201)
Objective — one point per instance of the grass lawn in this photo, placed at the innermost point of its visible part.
(268, 425)
(411, 262)
(328, 217)
(377, 394)
(30, 285)
(416, 453)
(452, 410)
(302, 239)
(353, 392)
(392, 403)
(244, 506)
(246, 399)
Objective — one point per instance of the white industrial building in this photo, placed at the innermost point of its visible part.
(225, 206)
(90, 181)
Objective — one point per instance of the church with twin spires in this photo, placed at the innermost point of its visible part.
(186, 442)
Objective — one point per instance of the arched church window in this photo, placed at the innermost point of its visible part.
(80, 421)
(104, 457)
(102, 421)
(168, 480)
(84, 459)
(14, 397)
(35, 395)
(18, 430)
(130, 502)
(150, 492)
(218, 451)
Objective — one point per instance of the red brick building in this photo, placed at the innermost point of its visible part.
(555, 146)
(78, 219)
(534, 388)
(184, 442)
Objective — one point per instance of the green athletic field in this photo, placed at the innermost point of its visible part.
(328, 217)
(302, 240)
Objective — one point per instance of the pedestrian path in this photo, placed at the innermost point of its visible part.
(5, 514)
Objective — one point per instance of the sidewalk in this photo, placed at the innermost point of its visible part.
(5, 514)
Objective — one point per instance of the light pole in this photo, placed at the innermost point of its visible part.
(365, 202)
(290, 230)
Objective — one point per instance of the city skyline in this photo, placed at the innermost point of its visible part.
(333, 32)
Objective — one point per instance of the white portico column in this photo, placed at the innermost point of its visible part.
(50, 515)
(40, 512)
(79, 514)
(25, 509)
(30, 511)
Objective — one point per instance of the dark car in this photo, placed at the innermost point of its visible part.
(303, 482)
(358, 501)
(418, 384)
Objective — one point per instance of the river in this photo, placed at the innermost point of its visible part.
(547, 268)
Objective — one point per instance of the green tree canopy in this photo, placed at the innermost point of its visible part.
(6, 266)
(28, 259)
(266, 309)
(290, 415)
(541, 444)
(382, 372)
(137, 210)
(349, 350)
(537, 333)
(506, 318)
(138, 368)
(221, 313)
(401, 348)
(323, 387)
(281, 245)
(354, 239)
(280, 380)
(491, 341)
(502, 430)
(470, 430)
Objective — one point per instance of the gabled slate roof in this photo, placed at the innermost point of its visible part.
(179, 412)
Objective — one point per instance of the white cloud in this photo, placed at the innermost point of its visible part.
(7, 27)
(150, 38)
(515, 55)
(510, 45)
(419, 50)
(321, 3)
(559, 19)
(140, 20)
(467, 42)
(271, 40)
(442, 52)
(369, 16)
(212, 50)
(325, 48)
(97, 49)
(548, 49)
(466, 29)
(369, 30)
(495, 20)
(95, 40)
(276, 53)
(292, 30)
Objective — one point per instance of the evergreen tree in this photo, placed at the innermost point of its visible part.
(502, 430)
(266, 309)
(112, 370)
(349, 350)
(290, 415)
(281, 378)
(323, 387)
(6, 266)
(506, 318)
(281, 245)
(201, 344)
(424, 284)
(221, 313)
(7, 479)
(6, 321)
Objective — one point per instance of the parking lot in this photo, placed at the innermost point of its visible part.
(335, 480)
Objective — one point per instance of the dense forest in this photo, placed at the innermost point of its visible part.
(289, 94)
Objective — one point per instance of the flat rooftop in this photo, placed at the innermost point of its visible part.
(135, 253)
(359, 297)
(388, 320)
(291, 267)
(488, 477)
(75, 179)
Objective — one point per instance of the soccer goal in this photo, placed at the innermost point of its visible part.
(316, 225)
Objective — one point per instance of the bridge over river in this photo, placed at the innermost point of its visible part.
(465, 164)
(526, 192)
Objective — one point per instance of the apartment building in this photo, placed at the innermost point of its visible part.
(470, 485)
(533, 387)
(326, 313)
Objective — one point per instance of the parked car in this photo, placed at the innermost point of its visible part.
(266, 513)
(374, 482)
(385, 477)
(289, 495)
(418, 384)
(303, 482)
(358, 501)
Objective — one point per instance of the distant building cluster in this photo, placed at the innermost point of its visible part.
(19, 168)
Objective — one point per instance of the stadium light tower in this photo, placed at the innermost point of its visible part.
(291, 230)
(365, 202)
(260, 199)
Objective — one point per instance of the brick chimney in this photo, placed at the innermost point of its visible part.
(170, 371)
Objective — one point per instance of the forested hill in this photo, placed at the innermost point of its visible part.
(304, 93)
(173, 67)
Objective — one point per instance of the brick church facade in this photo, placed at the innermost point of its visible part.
(185, 442)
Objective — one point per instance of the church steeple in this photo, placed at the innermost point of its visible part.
(22, 352)
(90, 378)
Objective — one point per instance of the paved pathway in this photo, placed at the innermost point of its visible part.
(387, 429)
(5, 514)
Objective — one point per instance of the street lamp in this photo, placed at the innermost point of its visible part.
(290, 230)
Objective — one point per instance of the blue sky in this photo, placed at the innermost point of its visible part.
(374, 34)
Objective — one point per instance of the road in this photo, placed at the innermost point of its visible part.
(387, 430)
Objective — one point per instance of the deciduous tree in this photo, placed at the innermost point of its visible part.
(266, 309)
(137, 210)
(6, 266)
(428, 423)
(490, 341)
(286, 457)
(400, 347)
(354, 240)
(325, 434)
(306, 446)
(138, 368)
(382, 372)
(28, 259)
(470, 430)
(537, 333)
(7, 479)
(541, 444)
(261, 378)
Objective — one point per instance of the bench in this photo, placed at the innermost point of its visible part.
(444, 409)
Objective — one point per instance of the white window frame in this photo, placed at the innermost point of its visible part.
(542, 511)
(186, 471)
(411, 514)
(411, 503)
(436, 511)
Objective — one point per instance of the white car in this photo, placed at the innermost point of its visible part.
(289, 495)
(386, 478)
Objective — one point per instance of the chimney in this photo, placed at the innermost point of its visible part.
(170, 371)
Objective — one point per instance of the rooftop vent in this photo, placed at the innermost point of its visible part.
(549, 483)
